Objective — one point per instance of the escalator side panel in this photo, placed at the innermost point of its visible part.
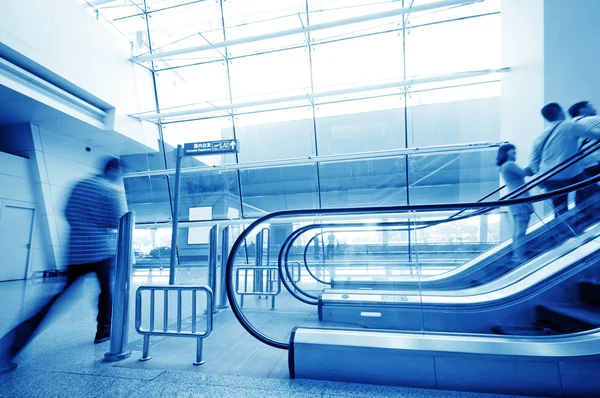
(580, 378)
(520, 309)
(450, 362)
(363, 365)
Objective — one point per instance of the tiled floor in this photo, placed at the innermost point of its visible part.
(63, 362)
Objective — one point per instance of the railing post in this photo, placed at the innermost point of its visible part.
(199, 360)
(212, 261)
(258, 263)
(224, 256)
(120, 310)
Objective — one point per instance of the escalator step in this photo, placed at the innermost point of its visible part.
(570, 318)
(589, 293)
(523, 331)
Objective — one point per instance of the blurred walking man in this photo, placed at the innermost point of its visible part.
(93, 212)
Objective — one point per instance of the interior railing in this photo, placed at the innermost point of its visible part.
(406, 212)
(535, 182)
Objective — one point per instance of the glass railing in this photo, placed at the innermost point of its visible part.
(441, 246)
(423, 267)
(462, 172)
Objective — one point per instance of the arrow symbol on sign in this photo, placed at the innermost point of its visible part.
(232, 144)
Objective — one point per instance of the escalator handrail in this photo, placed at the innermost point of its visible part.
(365, 210)
(288, 244)
(533, 183)
(539, 179)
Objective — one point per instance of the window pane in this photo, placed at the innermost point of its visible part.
(246, 18)
(196, 24)
(270, 75)
(124, 19)
(198, 131)
(452, 177)
(358, 61)
(433, 122)
(154, 5)
(136, 162)
(322, 11)
(274, 135)
(112, 10)
(458, 46)
(201, 85)
(278, 188)
(379, 182)
(448, 13)
(152, 249)
(149, 198)
(217, 191)
(359, 126)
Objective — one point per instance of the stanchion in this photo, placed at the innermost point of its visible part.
(175, 228)
(120, 310)
(224, 256)
(212, 261)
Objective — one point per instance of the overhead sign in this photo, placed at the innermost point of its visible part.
(210, 147)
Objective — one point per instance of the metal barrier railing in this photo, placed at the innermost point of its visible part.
(270, 284)
(178, 332)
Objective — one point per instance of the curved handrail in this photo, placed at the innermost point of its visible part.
(311, 273)
(289, 242)
(507, 286)
(346, 225)
(369, 210)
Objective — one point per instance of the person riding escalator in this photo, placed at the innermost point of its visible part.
(514, 176)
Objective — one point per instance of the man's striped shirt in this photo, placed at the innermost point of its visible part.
(93, 212)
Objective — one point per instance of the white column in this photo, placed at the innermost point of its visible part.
(551, 48)
(523, 86)
(571, 57)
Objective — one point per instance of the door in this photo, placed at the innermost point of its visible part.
(16, 224)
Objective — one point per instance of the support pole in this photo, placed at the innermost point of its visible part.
(176, 195)
(146, 350)
(212, 262)
(199, 360)
(120, 310)
(258, 259)
(224, 256)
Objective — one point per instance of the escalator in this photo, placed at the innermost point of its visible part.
(447, 338)
(543, 235)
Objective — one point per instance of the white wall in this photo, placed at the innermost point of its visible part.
(523, 86)
(61, 161)
(62, 38)
(571, 56)
(15, 182)
(16, 188)
(56, 162)
(551, 48)
(17, 178)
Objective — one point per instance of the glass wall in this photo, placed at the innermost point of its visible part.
(306, 107)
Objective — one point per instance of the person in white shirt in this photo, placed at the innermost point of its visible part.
(558, 143)
(585, 113)
(514, 176)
